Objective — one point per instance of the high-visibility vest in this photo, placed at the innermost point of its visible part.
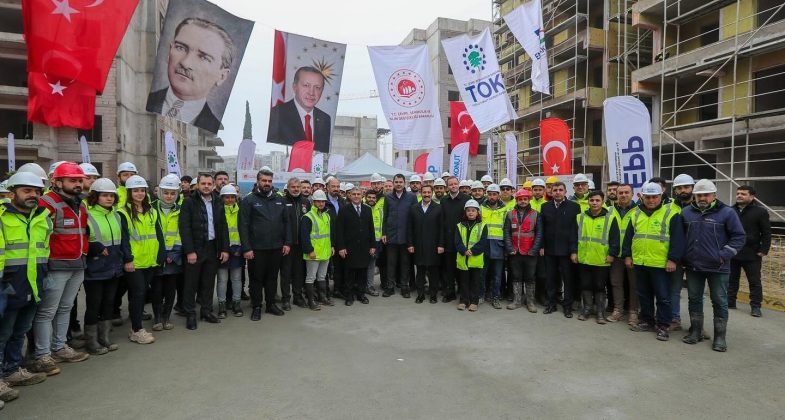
(536, 203)
(320, 234)
(509, 205)
(25, 242)
(144, 242)
(621, 222)
(170, 225)
(523, 234)
(378, 219)
(583, 202)
(231, 221)
(651, 242)
(69, 236)
(470, 238)
(104, 226)
(494, 219)
(593, 245)
(122, 196)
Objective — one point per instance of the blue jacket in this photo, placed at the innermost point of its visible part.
(107, 267)
(713, 237)
(396, 217)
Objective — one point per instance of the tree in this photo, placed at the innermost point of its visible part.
(247, 131)
(381, 132)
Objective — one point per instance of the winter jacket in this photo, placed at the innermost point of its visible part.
(106, 267)
(508, 230)
(396, 217)
(713, 237)
(676, 244)
(452, 213)
(193, 224)
(297, 207)
(755, 220)
(560, 228)
(264, 222)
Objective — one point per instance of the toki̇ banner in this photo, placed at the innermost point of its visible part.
(246, 155)
(525, 23)
(172, 163)
(317, 164)
(435, 161)
(627, 129)
(489, 156)
(556, 150)
(459, 161)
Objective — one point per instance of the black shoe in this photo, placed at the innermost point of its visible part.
(244, 296)
(433, 299)
(256, 314)
(178, 310)
(222, 309)
(190, 322)
(448, 298)
(388, 293)
(364, 300)
(642, 327)
(236, 310)
(338, 294)
(755, 311)
(286, 306)
(405, 294)
(117, 320)
(210, 317)
(420, 299)
(549, 310)
(274, 309)
(349, 302)
(662, 333)
(299, 301)
(146, 316)
(371, 291)
(568, 314)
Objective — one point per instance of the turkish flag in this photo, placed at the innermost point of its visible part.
(421, 164)
(59, 103)
(279, 69)
(462, 128)
(556, 150)
(75, 40)
(302, 153)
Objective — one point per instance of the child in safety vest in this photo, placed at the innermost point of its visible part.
(317, 249)
(232, 269)
(471, 241)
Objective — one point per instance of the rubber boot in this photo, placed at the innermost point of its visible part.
(720, 328)
(221, 310)
(695, 335)
(166, 313)
(91, 340)
(588, 301)
(103, 335)
(530, 298)
(325, 296)
(517, 288)
(309, 295)
(599, 303)
(157, 325)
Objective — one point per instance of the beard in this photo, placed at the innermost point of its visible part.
(685, 196)
(30, 203)
(266, 188)
(72, 191)
(703, 205)
(612, 197)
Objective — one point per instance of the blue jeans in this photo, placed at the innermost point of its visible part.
(654, 282)
(677, 279)
(14, 324)
(54, 311)
(718, 291)
(495, 267)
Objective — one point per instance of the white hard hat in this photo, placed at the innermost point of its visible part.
(34, 169)
(683, 179)
(494, 188)
(591, 185)
(538, 182)
(428, 177)
(384, 179)
(193, 182)
(25, 179)
(348, 186)
(318, 181)
(415, 178)
(445, 174)
(126, 167)
(464, 183)
(103, 185)
(135, 181)
(3, 187)
(89, 169)
(54, 166)
(477, 184)
(580, 178)
(486, 178)
(439, 182)
(375, 177)
(319, 195)
(472, 203)
(169, 182)
(651, 188)
(266, 168)
(506, 183)
(228, 190)
(342, 186)
(704, 186)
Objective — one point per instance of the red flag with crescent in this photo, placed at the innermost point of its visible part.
(421, 163)
(556, 150)
(279, 69)
(59, 103)
(462, 128)
(302, 153)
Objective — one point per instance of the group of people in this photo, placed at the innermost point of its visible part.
(178, 244)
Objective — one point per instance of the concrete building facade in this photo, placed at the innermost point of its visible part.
(354, 137)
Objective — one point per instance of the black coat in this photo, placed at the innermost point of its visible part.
(355, 234)
(286, 127)
(206, 118)
(452, 214)
(193, 224)
(755, 220)
(426, 234)
(560, 227)
(296, 207)
(264, 222)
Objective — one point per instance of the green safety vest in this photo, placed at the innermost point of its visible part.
(469, 239)
(593, 244)
(170, 225)
(104, 226)
(320, 234)
(536, 203)
(651, 239)
(231, 221)
(122, 196)
(494, 219)
(583, 202)
(25, 242)
(508, 206)
(378, 219)
(144, 242)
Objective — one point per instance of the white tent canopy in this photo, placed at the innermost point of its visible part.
(367, 164)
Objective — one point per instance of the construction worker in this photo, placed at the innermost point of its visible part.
(439, 190)
(621, 211)
(507, 189)
(610, 196)
(4, 193)
(445, 176)
(682, 197)
(428, 179)
(548, 185)
(714, 236)
(537, 200)
(493, 212)
(598, 245)
(415, 182)
(232, 269)
(538, 194)
(124, 171)
(478, 191)
(36, 170)
(317, 185)
(371, 199)
(486, 180)
(90, 174)
(522, 242)
(317, 249)
(377, 184)
(465, 187)
(580, 187)
(471, 243)
(527, 185)
(50, 173)
(166, 282)
(654, 245)
(24, 235)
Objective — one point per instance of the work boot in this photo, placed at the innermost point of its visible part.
(22, 377)
(720, 327)
(44, 364)
(496, 304)
(236, 309)
(323, 298)
(588, 300)
(67, 354)
(7, 393)
(103, 335)
(309, 298)
(632, 318)
(599, 301)
(517, 288)
(675, 325)
(473, 308)
(297, 300)
(285, 304)
(166, 313)
(117, 319)
(157, 324)
(91, 336)
(755, 311)
(695, 335)
(530, 306)
(222, 310)
(615, 316)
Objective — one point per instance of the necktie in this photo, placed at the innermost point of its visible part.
(174, 111)
(358, 209)
(308, 132)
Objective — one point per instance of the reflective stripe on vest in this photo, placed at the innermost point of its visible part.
(144, 241)
(469, 239)
(30, 236)
(232, 213)
(593, 250)
(494, 219)
(320, 234)
(522, 240)
(97, 234)
(650, 243)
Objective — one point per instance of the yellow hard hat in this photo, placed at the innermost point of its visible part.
(527, 184)
(551, 180)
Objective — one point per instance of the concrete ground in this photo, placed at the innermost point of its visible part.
(394, 359)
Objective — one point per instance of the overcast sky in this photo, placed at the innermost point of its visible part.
(353, 22)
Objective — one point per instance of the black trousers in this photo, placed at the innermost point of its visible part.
(266, 264)
(560, 272)
(398, 266)
(522, 268)
(355, 282)
(292, 273)
(138, 282)
(200, 278)
(432, 271)
(163, 290)
(448, 274)
(470, 285)
(752, 270)
(593, 278)
(99, 300)
(122, 287)
(381, 263)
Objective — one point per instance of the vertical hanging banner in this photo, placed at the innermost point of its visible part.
(307, 76)
(435, 161)
(401, 162)
(302, 152)
(317, 164)
(420, 164)
(246, 155)
(525, 23)
(83, 148)
(11, 153)
(489, 156)
(511, 152)
(459, 161)
(198, 57)
(335, 163)
(462, 128)
(556, 150)
(628, 140)
(172, 163)
(476, 70)
(409, 97)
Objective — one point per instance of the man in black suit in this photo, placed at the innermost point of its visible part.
(560, 228)
(355, 242)
(300, 119)
(426, 243)
(200, 58)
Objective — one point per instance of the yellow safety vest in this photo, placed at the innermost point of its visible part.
(231, 221)
(25, 242)
(104, 226)
(170, 225)
(122, 197)
(469, 239)
(651, 240)
(144, 242)
(536, 203)
(621, 222)
(593, 243)
(378, 219)
(320, 234)
(494, 219)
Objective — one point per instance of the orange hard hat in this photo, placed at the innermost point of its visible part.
(68, 170)
(523, 193)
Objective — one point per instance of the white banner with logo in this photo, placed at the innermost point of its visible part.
(246, 155)
(409, 97)
(11, 153)
(335, 163)
(476, 70)
(459, 161)
(525, 23)
(172, 164)
(317, 164)
(435, 161)
(627, 128)
(85, 151)
(511, 154)
(401, 162)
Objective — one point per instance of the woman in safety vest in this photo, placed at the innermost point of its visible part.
(317, 248)
(232, 270)
(471, 241)
(147, 247)
(109, 249)
(165, 282)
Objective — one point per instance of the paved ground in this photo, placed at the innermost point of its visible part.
(394, 359)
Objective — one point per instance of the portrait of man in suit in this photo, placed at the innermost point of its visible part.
(299, 118)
